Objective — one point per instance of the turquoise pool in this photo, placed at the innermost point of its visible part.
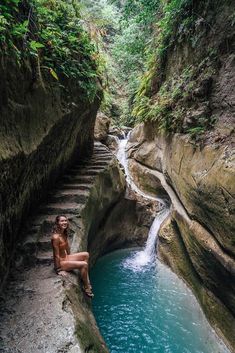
(148, 309)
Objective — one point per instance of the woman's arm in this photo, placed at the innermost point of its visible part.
(56, 252)
(67, 248)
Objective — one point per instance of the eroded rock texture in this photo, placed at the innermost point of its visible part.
(43, 128)
(41, 311)
(199, 247)
(192, 90)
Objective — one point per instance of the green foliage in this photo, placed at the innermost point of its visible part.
(121, 31)
(144, 11)
(196, 131)
(164, 100)
(50, 32)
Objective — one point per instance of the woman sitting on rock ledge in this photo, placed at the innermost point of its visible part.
(63, 260)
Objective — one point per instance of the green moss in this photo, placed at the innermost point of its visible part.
(89, 342)
(86, 330)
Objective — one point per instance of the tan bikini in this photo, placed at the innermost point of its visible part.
(62, 249)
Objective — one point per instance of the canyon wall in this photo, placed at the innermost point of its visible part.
(53, 310)
(198, 244)
(43, 128)
(187, 141)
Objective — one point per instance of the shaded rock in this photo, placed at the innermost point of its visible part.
(42, 131)
(112, 142)
(146, 181)
(102, 124)
(204, 180)
(144, 148)
(203, 177)
(126, 225)
(193, 254)
(116, 131)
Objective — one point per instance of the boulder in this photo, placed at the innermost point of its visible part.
(102, 124)
(112, 142)
(145, 180)
(117, 131)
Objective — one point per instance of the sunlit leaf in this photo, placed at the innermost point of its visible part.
(54, 74)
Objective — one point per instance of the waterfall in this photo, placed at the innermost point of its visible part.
(121, 156)
(146, 256)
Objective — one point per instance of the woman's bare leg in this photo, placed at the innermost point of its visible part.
(80, 256)
(80, 265)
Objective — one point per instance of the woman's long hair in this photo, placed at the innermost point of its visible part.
(56, 228)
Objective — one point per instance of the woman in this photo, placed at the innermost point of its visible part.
(63, 260)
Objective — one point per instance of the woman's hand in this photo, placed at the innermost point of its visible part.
(62, 273)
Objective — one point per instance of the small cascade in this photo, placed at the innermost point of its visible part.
(142, 258)
(121, 156)
(151, 241)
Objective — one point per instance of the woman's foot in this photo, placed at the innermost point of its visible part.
(62, 273)
(88, 291)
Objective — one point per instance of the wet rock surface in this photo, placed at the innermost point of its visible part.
(126, 225)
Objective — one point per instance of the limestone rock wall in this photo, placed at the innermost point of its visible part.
(43, 128)
(126, 225)
(53, 310)
(200, 246)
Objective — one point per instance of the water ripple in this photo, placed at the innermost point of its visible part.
(148, 309)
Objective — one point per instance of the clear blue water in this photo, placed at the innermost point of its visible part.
(148, 310)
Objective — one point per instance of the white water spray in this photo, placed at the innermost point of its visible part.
(146, 256)
(121, 156)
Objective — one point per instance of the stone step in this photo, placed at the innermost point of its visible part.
(100, 159)
(65, 208)
(30, 244)
(98, 144)
(101, 150)
(44, 257)
(44, 219)
(87, 179)
(79, 186)
(86, 167)
(91, 161)
(70, 195)
(34, 228)
(44, 243)
(75, 191)
(102, 163)
(33, 244)
(84, 171)
(102, 154)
